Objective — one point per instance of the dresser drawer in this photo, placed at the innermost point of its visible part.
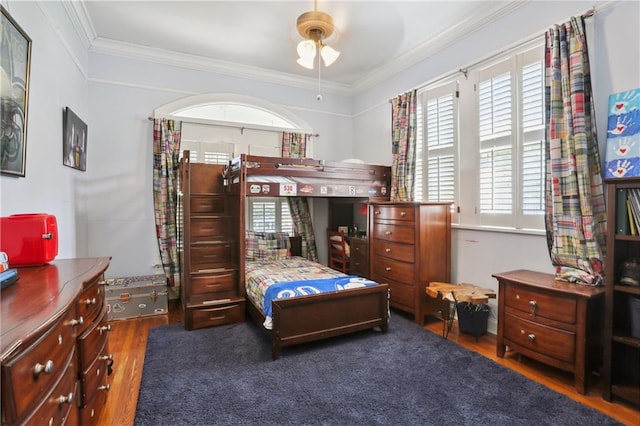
(59, 407)
(209, 229)
(203, 204)
(92, 341)
(214, 315)
(540, 304)
(549, 341)
(400, 295)
(35, 370)
(404, 213)
(90, 304)
(93, 408)
(394, 270)
(397, 251)
(210, 256)
(222, 284)
(394, 233)
(93, 380)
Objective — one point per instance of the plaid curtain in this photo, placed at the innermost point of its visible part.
(575, 209)
(403, 146)
(294, 145)
(166, 153)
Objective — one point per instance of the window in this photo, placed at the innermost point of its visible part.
(510, 105)
(269, 214)
(481, 142)
(438, 136)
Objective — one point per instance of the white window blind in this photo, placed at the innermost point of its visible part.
(438, 144)
(510, 107)
(270, 214)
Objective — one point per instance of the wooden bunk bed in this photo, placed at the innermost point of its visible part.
(304, 319)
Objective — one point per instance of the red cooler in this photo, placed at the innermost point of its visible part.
(29, 239)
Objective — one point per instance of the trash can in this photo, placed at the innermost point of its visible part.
(473, 318)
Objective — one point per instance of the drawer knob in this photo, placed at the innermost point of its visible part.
(534, 305)
(46, 368)
(104, 387)
(377, 212)
(387, 233)
(388, 269)
(387, 250)
(79, 321)
(68, 399)
(104, 328)
(91, 301)
(403, 214)
(532, 337)
(107, 357)
(102, 282)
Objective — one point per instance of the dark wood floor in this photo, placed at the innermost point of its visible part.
(128, 340)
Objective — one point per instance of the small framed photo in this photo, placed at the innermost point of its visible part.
(343, 229)
(74, 140)
(14, 99)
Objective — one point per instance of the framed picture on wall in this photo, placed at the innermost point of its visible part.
(15, 62)
(74, 140)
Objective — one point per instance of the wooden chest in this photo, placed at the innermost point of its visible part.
(410, 247)
(555, 322)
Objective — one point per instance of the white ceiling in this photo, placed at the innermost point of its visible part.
(376, 38)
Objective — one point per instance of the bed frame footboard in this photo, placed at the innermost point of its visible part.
(309, 318)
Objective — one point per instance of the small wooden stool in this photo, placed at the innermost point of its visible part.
(447, 295)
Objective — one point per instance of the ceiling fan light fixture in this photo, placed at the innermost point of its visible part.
(329, 55)
(315, 26)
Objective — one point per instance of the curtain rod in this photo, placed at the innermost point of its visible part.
(588, 14)
(242, 128)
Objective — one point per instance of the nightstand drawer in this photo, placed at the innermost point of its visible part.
(540, 304)
(549, 341)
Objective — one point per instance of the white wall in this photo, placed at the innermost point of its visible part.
(615, 60)
(57, 81)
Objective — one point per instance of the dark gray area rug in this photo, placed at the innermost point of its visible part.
(408, 376)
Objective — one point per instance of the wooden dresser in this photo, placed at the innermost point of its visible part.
(55, 362)
(359, 256)
(555, 322)
(410, 247)
(211, 293)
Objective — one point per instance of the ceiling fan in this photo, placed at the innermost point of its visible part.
(315, 27)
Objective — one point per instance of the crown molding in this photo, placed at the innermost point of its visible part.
(166, 57)
(428, 48)
(79, 17)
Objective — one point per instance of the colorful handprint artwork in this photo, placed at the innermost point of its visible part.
(623, 135)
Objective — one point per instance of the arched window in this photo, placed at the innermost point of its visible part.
(217, 127)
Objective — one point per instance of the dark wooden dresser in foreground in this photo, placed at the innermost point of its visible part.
(555, 322)
(55, 360)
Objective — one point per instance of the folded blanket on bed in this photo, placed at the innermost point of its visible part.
(306, 287)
